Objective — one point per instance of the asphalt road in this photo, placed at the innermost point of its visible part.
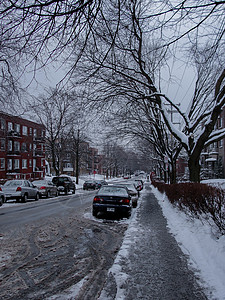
(18, 214)
(50, 245)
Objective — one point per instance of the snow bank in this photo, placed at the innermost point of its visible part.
(199, 241)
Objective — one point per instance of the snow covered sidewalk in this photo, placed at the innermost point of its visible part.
(151, 265)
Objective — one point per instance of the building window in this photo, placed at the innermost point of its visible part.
(35, 132)
(16, 146)
(24, 147)
(2, 144)
(16, 164)
(2, 124)
(34, 165)
(42, 162)
(10, 145)
(2, 163)
(30, 147)
(24, 163)
(17, 128)
(9, 164)
(10, 126)
(24, 130)
(30, 131)
(30, 163)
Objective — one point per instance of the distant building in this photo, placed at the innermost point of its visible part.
(213, 157)
(22, 148)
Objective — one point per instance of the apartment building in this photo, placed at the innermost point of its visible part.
(213, 157)
(22, 148)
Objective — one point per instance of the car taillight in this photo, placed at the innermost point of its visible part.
(97, 199)
(42, 187)
(19, 189)
(0, 189)
(125, 201)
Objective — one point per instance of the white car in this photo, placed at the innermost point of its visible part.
(20, 189)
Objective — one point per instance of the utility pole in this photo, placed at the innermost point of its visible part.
(172, 111)
(77, 156)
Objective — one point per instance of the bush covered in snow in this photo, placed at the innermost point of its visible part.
(197, 199)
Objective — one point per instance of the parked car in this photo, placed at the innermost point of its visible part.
(139, 184)
(132, 191)
(100, 183)
(2, 197)
(90, 185)
(112, 199)
(64, 184)
(21, 190)
(46, 188)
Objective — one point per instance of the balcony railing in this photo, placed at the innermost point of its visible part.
(14, 152)
(13, 133)
(39, 139)
(38, 153)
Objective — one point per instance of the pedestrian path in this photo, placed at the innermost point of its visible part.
(150, 264)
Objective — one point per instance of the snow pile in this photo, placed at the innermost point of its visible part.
(116, 271)
(220, 183)
(198, 239)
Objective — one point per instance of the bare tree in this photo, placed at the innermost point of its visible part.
(128, 72)
(56, 112)
(119, 38)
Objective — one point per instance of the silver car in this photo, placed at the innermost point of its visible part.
(20, 189)
(46, 188)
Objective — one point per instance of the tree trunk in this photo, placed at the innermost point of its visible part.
(54, 164)
(194, 169)
(173, 173)
(77, 156)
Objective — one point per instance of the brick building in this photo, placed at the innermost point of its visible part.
(22, 148)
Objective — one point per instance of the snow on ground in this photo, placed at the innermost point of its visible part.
(70, 293)
(215, 182)
(197, 239)
(116, 269)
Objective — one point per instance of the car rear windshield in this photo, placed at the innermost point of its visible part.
(59, 179)
(13, 183)
(39, 182)
(114, 191)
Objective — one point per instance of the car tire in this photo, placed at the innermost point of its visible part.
(128, 214)
(1, 201)
(37, 197)
(56, 194)
(74, 190)
(24, 198)
(94, 213)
